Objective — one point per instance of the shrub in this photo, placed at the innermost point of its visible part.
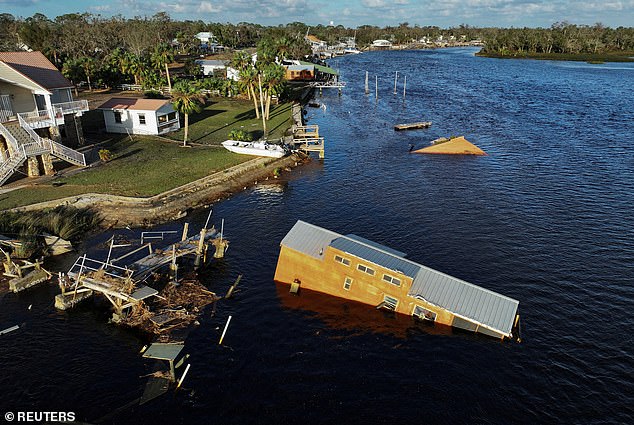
(105, 155)
(241, 135)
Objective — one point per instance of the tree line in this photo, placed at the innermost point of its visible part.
(560, 38)
(115, 50)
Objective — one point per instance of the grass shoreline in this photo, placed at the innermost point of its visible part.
(148, 165)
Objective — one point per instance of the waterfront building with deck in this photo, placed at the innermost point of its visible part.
(355, 268)
(38, 117)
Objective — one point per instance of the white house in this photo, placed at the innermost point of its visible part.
(208, 41)
(140, 116)
(209, 66)
(38, 116)
(205, 37)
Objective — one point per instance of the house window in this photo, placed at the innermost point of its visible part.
(142, 119)
(347, 283)
(340, 259)
(365, 269)
(117, 117)
(392, 280)
(162, 119)
(424, 314)
(171, 116)
(390, 302)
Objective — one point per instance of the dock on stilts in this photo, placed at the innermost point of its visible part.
(306, 139)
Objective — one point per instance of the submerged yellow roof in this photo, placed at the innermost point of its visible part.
(456, 146)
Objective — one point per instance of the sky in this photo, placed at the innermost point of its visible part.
(350, 13)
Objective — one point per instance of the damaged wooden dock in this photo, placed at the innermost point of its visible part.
(124, 284)
(23, 276)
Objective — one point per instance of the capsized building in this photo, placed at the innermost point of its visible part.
(358, 269)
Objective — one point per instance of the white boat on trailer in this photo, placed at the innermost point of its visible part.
(259, 148)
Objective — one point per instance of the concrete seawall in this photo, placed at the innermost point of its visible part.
(122, 211)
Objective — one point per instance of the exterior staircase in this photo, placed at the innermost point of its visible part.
(25, 142)
(8, 167)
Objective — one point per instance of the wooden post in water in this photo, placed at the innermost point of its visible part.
(367, 87)
(404, 85)
(201, 242)
(395, 80)
(376, 87)
(224, 331)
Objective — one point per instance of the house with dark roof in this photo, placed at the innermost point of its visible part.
(139, 116)
(38, 116)
(354, 268)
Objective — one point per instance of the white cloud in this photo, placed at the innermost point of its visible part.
(207, 7)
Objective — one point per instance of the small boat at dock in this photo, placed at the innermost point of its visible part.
(412, 126)
(259, 148)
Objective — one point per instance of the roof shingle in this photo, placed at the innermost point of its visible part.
(36, 67)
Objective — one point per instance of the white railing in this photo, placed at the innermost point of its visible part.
(8, 167)
(9, 138)
(32, 149)
(71, 107)
(36, 119)
(29, 129)
(67, 153)
(137, 87)
(50, 146)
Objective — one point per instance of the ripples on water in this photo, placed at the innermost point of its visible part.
(545, 218)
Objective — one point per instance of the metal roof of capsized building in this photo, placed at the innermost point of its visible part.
(376, 255)
(309, 239)
(464, 299)
(376, 245)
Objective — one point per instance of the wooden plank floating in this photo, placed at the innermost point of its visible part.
(11, 329)
(412, 126)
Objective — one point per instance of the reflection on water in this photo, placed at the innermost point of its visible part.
(356, 318)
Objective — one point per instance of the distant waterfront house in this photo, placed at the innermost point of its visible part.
(212, 67)
(381, 44)
(301, 72)
(207, 41)
(315, 43)
(38, 116)
(140, 116)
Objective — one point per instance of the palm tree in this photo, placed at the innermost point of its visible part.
(274, 77)
(162, 56)
(187, 99)
(241, 60)
(249, 78)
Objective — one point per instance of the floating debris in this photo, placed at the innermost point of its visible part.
(11, 329)
(453, 146)
(412, 126)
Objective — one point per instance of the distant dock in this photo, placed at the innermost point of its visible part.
(412, 126)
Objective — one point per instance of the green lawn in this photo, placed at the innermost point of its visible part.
(213, 124)
(145, 167)
(151, 165)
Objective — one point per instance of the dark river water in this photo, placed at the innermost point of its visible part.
(546, 219)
